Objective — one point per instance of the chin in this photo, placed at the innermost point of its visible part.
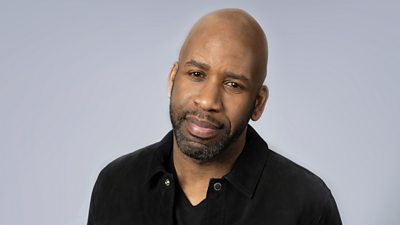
(198, 149)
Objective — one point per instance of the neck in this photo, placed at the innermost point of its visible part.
(194, 175)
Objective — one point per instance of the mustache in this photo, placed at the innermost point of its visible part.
(182, 116)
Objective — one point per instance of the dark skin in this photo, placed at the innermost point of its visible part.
(220, 73)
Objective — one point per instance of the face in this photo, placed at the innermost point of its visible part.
(214, 93)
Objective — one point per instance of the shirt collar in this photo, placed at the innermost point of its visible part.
(244, 175)
(160, 162)
(249, 166)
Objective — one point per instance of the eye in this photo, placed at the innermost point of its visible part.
(233, 85)
(196, 74)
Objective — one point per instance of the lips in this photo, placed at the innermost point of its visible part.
(203, 129)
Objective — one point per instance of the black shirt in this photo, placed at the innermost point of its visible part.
(185, 212)
(263, 187)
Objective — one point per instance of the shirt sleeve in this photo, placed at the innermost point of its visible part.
(330, 214)
(93, 200)
(91, 210)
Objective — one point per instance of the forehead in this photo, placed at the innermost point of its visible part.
(220, 52)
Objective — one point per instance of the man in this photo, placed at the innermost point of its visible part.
(213, 168)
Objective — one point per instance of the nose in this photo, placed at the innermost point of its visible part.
(209, 98)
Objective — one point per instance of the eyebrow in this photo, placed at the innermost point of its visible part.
(236, 76)
(200, 65)
(205, 66)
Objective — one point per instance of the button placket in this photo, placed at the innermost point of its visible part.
(166, 200)
(215, 202)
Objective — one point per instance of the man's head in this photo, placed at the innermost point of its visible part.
(217, 84)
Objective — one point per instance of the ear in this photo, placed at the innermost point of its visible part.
(261, 100)
(171, 77)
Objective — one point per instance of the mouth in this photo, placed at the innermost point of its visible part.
(202, 129)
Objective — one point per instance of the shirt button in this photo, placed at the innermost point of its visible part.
(167, 182)
(217, 186)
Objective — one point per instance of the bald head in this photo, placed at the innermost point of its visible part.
(216, 87)
(231, 27)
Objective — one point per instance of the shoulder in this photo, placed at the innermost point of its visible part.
(134, 164)
(133, 168)
(288, 187)
(292, 173)
(295, 180)
(286, 168)
(305, 190)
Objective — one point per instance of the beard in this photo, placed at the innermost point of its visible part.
(204, 150)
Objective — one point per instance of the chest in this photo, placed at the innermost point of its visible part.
(224, 206)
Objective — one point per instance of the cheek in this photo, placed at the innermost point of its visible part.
(181, 95)
(239, 110)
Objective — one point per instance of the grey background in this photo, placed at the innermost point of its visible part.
(83, 82)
